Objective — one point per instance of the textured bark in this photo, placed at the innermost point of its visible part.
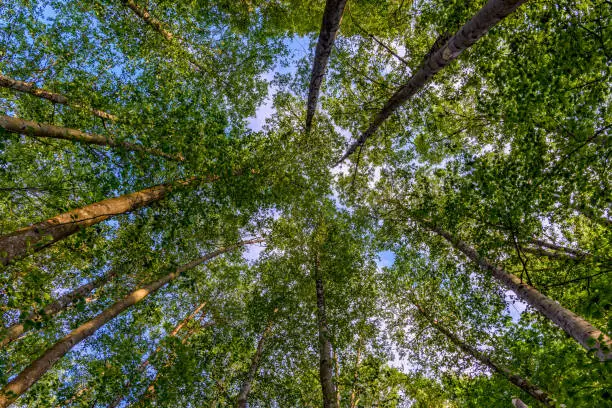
(43, 130)
(575, 326)
(491, 14)
(325, 358)
(245, 388)
(115, 403)
(30, 88)
(533, 390)
(40, 235)
(329, 28)
(518, 403)
(60, 304)
(41, 365)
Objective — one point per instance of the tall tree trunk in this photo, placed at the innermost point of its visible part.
(578, 328)
(245, 388)
(40, 366)
(336, 376)
(354, 393)
(30, 88)
(491, 14)
(325, 359)
(43, 130)
(158, 26)
(146, 363)
(60, 304)
(40, 235)
(533, 390)
(329, 28)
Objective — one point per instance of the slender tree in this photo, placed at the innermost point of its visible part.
(491, 14)
(579, 329)
(245, 388)
(332, 15)
(531, 389)
(30, 88)
(43, 130)
(115, 403)
(38, 236)
(158, 26)
(14, 331)
(42, 364)
(326, 376)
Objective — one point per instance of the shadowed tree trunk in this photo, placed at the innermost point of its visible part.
(245, 388)
(325, 357)
(579, 329)
(30, 88)
(518, 403)
(53, 308)
(42, 364)
(43, 130)
(354, 393)
(146, 363)
(533, 390)
(40, 235)
(329, 28)
(491, 14)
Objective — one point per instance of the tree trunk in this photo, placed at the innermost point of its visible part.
(53, 308)
(158, 26)
(518, 403)
(245, 388)
(146, 363)
(336, 376)
(575, 326)
(30, 88)
(515, 379)
(325, 366)
(555, 247)
(38, 236)
(40, 366)
(43, 130)
(491, 14)
(560, 256)
(354, 399)
(329, 28)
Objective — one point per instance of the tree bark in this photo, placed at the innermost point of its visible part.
(146, 363)
(158, 26)
(30, 88)
(354, 393)
(555, 247)
(325, 358)
(43, 130)
(491, 14)
(38, 236)
(245, 388)
(60, 304)
(332, 15)
(518, 403)
(40, 366)
(575, 326)
(533, 390)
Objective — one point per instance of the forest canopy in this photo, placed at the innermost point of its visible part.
(294, 203)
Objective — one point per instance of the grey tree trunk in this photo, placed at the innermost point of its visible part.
(533, 390)
(329, 28)
(31, 374)
(245, 388)
(579, 329)
(491, 14)
(60, 304)
(325, 358)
